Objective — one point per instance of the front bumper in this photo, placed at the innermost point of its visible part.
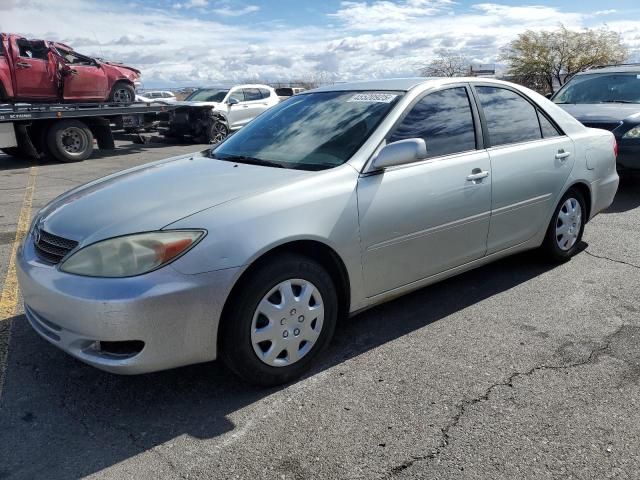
(175, 315)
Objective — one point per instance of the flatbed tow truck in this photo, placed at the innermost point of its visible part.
(66, 131)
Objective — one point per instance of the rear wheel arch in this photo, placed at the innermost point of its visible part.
(585, 191)
(313, 249)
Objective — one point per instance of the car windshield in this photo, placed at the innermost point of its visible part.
(208, 95)
(312, 131)
(601, 88)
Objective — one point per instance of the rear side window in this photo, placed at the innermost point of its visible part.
(510, 118)
(548, 129)
(264, 93)
(443, 119)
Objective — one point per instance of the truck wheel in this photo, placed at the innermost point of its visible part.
(122, 93)
(70, 141)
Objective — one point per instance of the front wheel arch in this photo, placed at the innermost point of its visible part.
(316, 250)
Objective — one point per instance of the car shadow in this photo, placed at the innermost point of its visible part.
(62, 419)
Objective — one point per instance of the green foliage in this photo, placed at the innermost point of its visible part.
(537, 59)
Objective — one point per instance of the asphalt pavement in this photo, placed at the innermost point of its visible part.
(517, 370)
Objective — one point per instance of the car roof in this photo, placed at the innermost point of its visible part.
(403, 84)
(628, 68)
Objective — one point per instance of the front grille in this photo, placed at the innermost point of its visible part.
(51, 248)
(603, 125)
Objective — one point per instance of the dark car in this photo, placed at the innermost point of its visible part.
(608, 98)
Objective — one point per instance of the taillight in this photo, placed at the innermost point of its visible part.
(615, 147)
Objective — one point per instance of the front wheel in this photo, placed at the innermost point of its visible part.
(564, 233)
(280, 320)
(122, 93)
(217, 132)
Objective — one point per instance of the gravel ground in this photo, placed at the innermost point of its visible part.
(517, 370)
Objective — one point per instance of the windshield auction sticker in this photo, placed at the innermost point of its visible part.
(373, 97)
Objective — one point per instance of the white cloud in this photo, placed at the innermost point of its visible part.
(385, 14)
(191, 4)
(228, 11)
(368, 39)
(605, 12)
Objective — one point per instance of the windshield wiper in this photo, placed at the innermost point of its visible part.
(617, 101)
(249, 160)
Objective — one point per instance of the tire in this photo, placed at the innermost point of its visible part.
(70, 141)
(250, 339)
(216, 132)
(570, 217)
(122, 93)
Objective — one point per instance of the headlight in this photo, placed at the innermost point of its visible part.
(633, 133)
(131, 255)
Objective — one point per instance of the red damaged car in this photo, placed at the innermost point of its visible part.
(39, 70)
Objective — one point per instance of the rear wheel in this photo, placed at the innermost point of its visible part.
(70, 141)
(122, 93)
(564, 233)
(280, 320)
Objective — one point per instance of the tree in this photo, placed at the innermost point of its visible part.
(544, 59)
(447, 64)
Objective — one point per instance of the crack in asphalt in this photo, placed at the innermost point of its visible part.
(602, 257)
(463, 407)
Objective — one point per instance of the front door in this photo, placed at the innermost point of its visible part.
(421, 219)
(530, 163)
(238, 113)
(83, 79)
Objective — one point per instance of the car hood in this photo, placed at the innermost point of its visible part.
(155, 195)
(602, 112)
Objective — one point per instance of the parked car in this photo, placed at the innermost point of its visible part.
(336, 200)
(285, 92)
(163, 96)
(41, 70)
(209, 114)
(609, 98)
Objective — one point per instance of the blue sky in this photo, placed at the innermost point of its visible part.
(199, 42)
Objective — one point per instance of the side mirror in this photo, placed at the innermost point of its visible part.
(233, 101)
(549, 95)
(401, 153)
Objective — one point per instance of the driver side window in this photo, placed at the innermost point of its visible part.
(443, 119)
(238, 95)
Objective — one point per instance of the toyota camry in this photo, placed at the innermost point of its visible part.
(335, 200)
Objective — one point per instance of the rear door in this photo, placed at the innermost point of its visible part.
(34, 71)
(531, 160)
(420, 219)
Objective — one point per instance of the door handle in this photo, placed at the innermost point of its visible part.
(562, 155)
(245, 106)
(23, 65)
(477, 174)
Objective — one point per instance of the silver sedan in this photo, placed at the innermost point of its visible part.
(335, 200)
